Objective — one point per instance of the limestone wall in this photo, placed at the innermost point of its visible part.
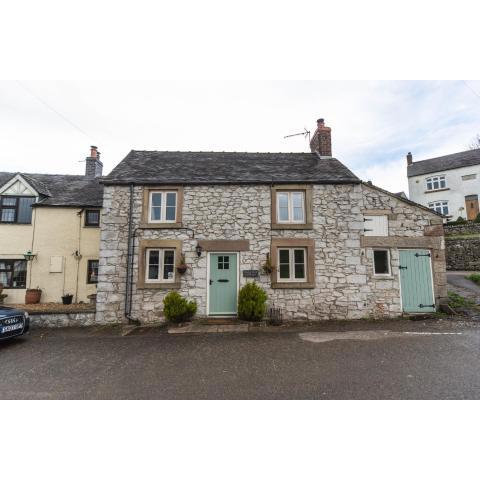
(57, 320)
(345, 287)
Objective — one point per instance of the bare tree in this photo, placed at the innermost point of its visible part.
(475, 143)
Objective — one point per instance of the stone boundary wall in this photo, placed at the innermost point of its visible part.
(465, 229)
(57, 320)
(463, 253)
(462, 244)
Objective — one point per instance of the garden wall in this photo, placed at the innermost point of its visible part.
(462, 243)
(55, 320)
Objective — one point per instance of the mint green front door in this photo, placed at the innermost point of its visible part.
(416, 281)
(222, 284)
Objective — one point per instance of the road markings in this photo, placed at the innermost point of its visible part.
(321, 337)
(433, 333)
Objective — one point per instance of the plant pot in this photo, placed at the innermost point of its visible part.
(181, 269)
(32, 295)
(67, 299)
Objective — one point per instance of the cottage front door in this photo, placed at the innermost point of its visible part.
(222, 284)
(471, 202)
(416, 281)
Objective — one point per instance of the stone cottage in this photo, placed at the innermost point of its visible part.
(322, 243)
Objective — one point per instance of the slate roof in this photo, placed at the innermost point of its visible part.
(62, 190)
(447, 162)
(207, 168)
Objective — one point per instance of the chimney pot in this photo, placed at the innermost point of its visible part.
(321, 142)
(93, 165)
(409, 158)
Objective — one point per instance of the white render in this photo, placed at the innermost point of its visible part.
(345, 286)
(455, 192)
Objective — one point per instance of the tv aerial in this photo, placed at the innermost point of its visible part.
(305, 133)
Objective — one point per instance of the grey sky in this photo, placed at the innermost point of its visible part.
(374, 124)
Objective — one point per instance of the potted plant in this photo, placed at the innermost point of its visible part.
(267, 267)
(67, 299)
(182, 266)
(33, 295)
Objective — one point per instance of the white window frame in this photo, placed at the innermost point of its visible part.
(161, 264)
(375, 274)
(438, 179)
(369, 221)
(290, 206)
(291, 263)
(163, 211)
(439, 203)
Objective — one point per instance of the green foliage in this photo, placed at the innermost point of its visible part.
(251, 302)
(477, 218)
(458, 221)
(457, 301)
(474, 277)
(177, 309)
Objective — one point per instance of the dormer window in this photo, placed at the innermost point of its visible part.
(436, 183)
(16, 209)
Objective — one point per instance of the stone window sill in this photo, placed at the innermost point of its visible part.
(159, 286)
(293, 285)
(160, 225)
(292, 226)
(437, 190)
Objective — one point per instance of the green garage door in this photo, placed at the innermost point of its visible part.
(416, 281)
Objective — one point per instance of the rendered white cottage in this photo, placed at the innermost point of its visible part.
(340, 248)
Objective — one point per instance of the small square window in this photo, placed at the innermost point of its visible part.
(92, 218)
(160, 265)
(92, 275)
(290, 207)
(163, 207)
(291, 264)
(381, 262)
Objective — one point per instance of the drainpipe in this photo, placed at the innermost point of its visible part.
(130, 256)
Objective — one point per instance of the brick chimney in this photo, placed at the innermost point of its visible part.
(409, 158)
(93, 165)
(321, 141)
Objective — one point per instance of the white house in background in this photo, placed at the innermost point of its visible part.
(449, 185)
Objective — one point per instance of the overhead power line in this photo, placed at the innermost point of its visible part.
(471, 89)
(43, 102)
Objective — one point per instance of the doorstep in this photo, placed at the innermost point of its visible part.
(198, 328)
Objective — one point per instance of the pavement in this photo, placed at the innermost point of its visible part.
(395, 359)
(459, 283)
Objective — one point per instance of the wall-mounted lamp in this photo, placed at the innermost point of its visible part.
(29, 256)
(198, 249)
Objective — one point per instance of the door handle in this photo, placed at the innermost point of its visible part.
(210, 282)
(223, 280)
